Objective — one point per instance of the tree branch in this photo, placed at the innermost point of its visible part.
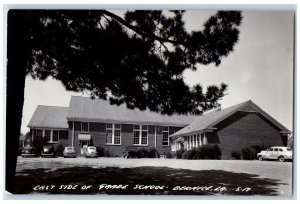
(139, 30)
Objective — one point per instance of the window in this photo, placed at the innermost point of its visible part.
(165, 133)
(55, 136)
(140, 135)
(39, 133)
(280, 150)
(202, 139)
(276, 149)
(113, 134)
(48, 135)
(198, 140)
(84, 127)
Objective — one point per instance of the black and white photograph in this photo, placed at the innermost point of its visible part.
(196, 102)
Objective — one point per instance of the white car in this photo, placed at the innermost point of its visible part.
(91, 151)
(280, 153)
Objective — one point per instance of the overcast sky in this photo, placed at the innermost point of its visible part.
(260, 68)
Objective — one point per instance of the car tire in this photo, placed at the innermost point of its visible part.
(281, 159)
(260, 158)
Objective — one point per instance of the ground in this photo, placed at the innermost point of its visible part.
(153, 176)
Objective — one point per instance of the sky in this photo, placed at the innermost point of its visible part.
(259, 69)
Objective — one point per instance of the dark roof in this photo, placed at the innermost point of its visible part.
(97, 110)
(49, 117)
(209, 120)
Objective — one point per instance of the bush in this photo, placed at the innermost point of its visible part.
(143, 153)
(179, 154)
(203, 152)
(100, 151)
(236, 155)
(59, 150)
(248, 154)
(107, 153)
(170, 155)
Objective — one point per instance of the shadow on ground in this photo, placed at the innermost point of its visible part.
(218, 182)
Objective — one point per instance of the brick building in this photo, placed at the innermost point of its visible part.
(115, 128)
(233, 128)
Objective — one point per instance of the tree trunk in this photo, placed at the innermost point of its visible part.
(17, 57)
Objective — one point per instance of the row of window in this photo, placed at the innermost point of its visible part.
(140, 135)
(195, 141)
(50, 135)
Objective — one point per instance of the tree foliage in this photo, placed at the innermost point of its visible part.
(138, 60)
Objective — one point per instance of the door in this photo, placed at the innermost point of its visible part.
(84, 144)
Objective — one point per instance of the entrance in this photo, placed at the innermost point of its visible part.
(84, 144)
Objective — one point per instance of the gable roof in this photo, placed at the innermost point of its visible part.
(209, 120)
(49, 117)
(97, 110)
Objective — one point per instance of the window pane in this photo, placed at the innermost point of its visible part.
(165, 138)
(144, 138)
(144, 127)
(55, 136)
(117, 126)
(108, 125)
(117, 137)
(47, 135)
(136, 127)
(39, 133)
(108, 136)
(165, 128)
(84, 127)
(136, 137)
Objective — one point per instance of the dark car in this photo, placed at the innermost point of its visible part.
(28, 152)
(69, 152)
(48, 151)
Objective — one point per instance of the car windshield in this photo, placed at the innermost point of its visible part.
(288, 149)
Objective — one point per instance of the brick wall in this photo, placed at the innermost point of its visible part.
(98, 134)
(244, 130)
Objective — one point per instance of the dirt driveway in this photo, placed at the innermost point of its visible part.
(153, 176)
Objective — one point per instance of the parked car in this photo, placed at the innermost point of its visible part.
(69, 152)
(48, 151)
(28, 152)
(274, 153)
(91, 151)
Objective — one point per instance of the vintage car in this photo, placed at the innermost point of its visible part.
(48, 151)
(69, 152)
(91, 151)
(28, 152)
(276, 153)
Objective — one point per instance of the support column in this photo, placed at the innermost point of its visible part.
(73, 134)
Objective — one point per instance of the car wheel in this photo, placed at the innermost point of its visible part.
(281, 159)
(260, 158)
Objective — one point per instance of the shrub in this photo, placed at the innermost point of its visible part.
(100, 151)
(236, 155)
(184, 155)
(203, 152)
(170, 155)
(59, 150)
(107, 153)
(179, 154)
(248, 154)
(152, 153)
(143, 153)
